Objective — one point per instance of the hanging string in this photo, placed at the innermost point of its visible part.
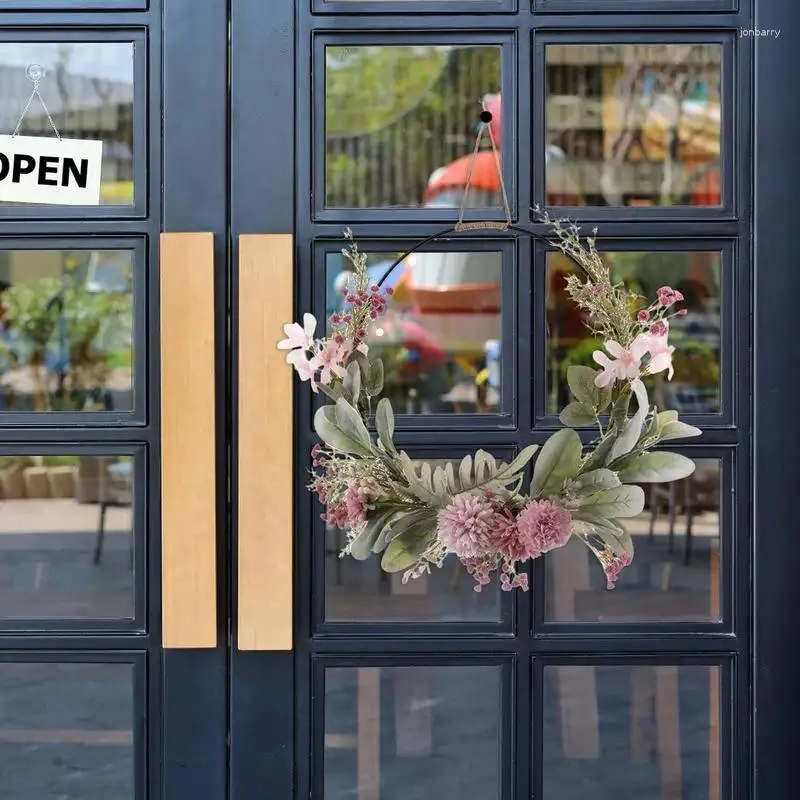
(461, 225)
(35, 73)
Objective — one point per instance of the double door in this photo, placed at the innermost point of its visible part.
(176, 622)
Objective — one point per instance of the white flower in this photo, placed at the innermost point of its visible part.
(298, 339)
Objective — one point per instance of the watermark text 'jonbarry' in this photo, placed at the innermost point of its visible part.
(760, 33)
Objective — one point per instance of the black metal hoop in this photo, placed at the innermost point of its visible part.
(462, 227)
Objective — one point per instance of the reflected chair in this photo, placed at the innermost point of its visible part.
(115, 491)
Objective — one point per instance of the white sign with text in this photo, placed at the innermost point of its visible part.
(45, 169)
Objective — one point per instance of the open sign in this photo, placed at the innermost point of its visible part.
(39, 169)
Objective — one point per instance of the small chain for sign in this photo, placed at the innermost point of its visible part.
(35, 74)
(486, 118)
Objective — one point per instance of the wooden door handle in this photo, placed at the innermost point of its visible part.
(265, 444)
(188, 450)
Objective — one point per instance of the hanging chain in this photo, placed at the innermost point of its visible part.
(35, 73)
(486, 118)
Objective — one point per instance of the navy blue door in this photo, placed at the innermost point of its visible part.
(662, 123)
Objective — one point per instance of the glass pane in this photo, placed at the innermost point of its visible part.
(401, 123)
(633, 124)
(413, 732)
(440, 339)
(66, 330)
(359, 591)
(88, 90)
(66, 731)
(632, 732)
(66, 537)
(675, 574)
(695, 386)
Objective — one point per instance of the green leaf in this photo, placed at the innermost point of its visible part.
(384, 423)
(509, 472)
(599, 456)
(623, 501)
(558, 461)
(582, 385)
(374, 385)
(619, 413)
(666, 416)
(327, 428)
(577, 415)
(658, 467)
(678, 430)
(352, 382)
(405, 549)
(632, 429)
(420, 486)
(397, 524)
(594, 521)
(361, 546)
(595, 480)
(350, 423)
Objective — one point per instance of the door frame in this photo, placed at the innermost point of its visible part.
(271, 745)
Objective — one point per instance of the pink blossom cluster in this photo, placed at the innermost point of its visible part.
(627, 363)
(613, 569)
(365, 307)
(484, 535)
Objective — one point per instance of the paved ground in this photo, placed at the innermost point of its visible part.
(423, 733)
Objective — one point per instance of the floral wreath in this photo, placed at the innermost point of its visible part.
(415, 515)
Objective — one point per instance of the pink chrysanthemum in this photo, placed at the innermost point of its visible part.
(467, 526)
(359, 499)
(613, 569)
(543, 526)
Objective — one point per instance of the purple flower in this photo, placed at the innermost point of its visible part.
(543, 526)
(613, 569)
(467, 526)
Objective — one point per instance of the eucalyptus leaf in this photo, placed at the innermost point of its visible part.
(399, 523)
(352, 381)
(623, 501)
(361, 546)
(595, 480)
(658, 467)
(558, 461)
(327, 428)
(678, 430)
(350, 423)
(631, 430)
(405, 549)
(581, 383)
(510, 471)
(599, 456)
(590, 521)
(384, 424)
(578, 415)
(619, 411)
(374, 385)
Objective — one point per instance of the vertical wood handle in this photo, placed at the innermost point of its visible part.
(265, 439)
(188, 452)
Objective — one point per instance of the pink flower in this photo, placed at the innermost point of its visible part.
(467, 526)
(359, 499)
(625, 366)
(615, 567)
(643, 315)
(543, 526)
(330, 358)
(306, 368)
(298, 339)
(660, 352)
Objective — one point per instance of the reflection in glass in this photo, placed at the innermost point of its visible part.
(634, 124)
(66, 537)
(66, 330)
(401, 122)
(88, 89)
(359, 591)
(695, 386)
(413, 732)
(66, 731)
(675, 574)
(632, 732)
(440, 340)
